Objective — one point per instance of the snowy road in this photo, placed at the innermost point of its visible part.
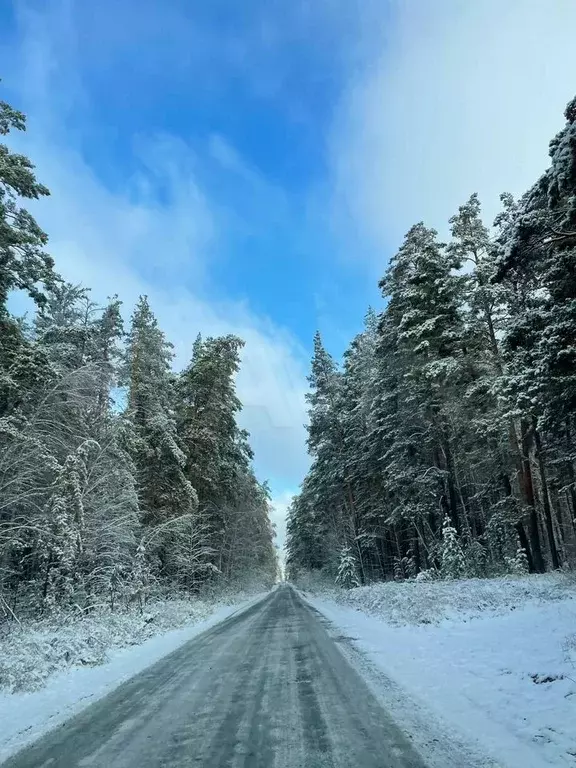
(266, 688)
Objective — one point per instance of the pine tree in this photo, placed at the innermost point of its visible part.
(96, 503)
(207, 417)
(307, 548)
(424, 306)
(23, 266)
(538, 257)
(518, 565)
(23, 263)
(331, 479)
(63, 546)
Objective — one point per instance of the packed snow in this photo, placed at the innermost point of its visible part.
(494, 659)
(76, 664)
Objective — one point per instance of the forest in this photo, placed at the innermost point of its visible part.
(444, 446)
(119, 478)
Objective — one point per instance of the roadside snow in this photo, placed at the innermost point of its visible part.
(494, 658)
(25, 716)
(33, 651)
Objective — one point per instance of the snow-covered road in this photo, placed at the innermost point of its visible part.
(267, 687)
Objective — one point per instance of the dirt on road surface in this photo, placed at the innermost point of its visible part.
(266, 688)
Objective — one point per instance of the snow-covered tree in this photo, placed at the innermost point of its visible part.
(233, 505)
(455, 407)
(23, 263)
(347, 575)
(453, 562)
(165, 493)
(96, 500)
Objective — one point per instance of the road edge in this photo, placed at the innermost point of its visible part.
(28, 716)
(439, 743)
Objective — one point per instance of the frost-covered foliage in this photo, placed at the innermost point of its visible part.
(347, 575)
(433, 601)
(445, 443)
(452, 560)
(519, 563)
(112, 502)
(34, 650)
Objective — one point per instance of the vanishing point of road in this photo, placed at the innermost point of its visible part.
(266, 688)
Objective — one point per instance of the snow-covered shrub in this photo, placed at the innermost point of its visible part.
(347, 576)
(398, 570)
(430, 574)
(501, 538)
(518, 565)
(34, 650)
(453, 561)
(429, 601)
(405, 567)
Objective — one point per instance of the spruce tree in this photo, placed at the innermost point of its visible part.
(453, 562)
(425, 309)
(217, 452)
(165, 493)
(347, 575)
(23, 266)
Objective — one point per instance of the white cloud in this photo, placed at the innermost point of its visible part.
(463, 97)
(154, 233)
(115, 244)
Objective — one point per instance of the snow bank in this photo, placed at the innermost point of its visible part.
(431, 602)
(494, 658)
(33, 651)
(77, 668)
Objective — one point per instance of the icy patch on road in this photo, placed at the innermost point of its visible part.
(494, 658)
(122, 646)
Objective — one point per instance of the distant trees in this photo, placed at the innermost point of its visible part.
(106, 499)
(445, 443)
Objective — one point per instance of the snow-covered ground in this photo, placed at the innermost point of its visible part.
(110, 649)
(493, 660)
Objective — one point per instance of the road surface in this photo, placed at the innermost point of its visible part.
(266, 688)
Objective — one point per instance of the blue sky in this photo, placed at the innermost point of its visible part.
(253, 165)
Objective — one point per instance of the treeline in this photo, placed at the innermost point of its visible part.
(446, 443)
(118, 477)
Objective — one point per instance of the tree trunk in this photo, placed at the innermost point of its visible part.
(571, 474)
(450, 478)
(527, 485)
(416, 550)
(447, 491)
(546, 500)
(390, 546)
(520, 530)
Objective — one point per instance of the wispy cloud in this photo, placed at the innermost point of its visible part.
(156, 233)
(408, 108)
(463, 97)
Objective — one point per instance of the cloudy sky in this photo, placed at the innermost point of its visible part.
(252, 165)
